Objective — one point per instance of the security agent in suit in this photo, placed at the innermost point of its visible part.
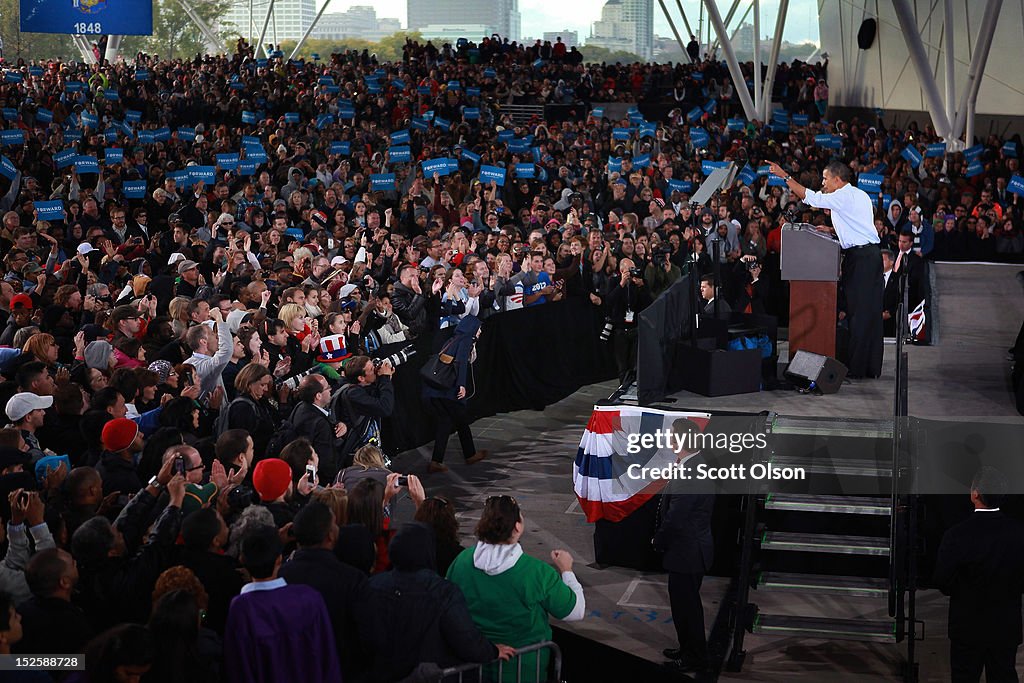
(891, 296)
(980, 566)
(684, 535)
(708, 294)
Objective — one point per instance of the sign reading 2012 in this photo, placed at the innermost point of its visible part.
(88, 17)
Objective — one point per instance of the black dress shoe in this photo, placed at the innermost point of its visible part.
(672, 653)
(686, 665)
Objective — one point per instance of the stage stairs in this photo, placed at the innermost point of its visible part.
(822, 558)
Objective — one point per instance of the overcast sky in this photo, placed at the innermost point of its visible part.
(544, 15)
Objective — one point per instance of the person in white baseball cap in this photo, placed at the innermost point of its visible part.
(25, 410)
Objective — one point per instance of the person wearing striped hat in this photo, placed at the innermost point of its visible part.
(332, 358)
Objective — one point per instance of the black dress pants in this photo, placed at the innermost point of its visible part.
(451, 414)
(864, 292)
(967, 660)
(688, 615)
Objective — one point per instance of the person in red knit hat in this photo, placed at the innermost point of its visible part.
(272, 480)
(121, 440)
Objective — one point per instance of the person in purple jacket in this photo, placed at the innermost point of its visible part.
(275, 631)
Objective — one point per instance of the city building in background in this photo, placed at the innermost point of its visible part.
(569, 37)
(626, 25)
(444, 18)
(359, 21)
(289, 20)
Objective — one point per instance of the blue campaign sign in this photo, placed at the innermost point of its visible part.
(974, 152)
(684, 186)
(694, 114)
(764, 170)
(494, 174)
(335, 89)
(398, 84)
(227, 161)
(648, 130)
(44, 115)
(399, 154)
(419, 124)
(113, 155)
(886, 201)
(454, 85)
(74, 86)
(775, 181)
(699, 137)
(7, 168)
(643, 161)
(10, 114)
(975, 168)
(432, 166)
(780, 115)
(341, 147)
(12, 137)
(162, 134)
(443, 124)
(323, 121)
(112, 94)
(636, 117)
(87, 17)
(1016, 185)
(707, 167)
(134, 189)
(35, 71)
(141, 75)
(472, 92)
(1010, 149)
(621, 133)
(736, 124)
(255, 153)
(382, 181)
(400, 137)
(870, 182)
(132, 116)
(453, 165)
(614, 165)
(146, 137)
(247, 168)
(780, 126)
(207, 174)
(506, 135)
(13, 77)
(525, 171)
(471, 113)
(472, 156)
(911, 154)
(597, 113)
(49, 211)
(249, 117)
(346, 112)
(187, 134)
(519, 146)
(250, 140)
(291, 117)
(710, 106)
(110, 134)
(64, 158)
(801, 119)
(90, 120)
(423, 90)
(748, 175)
(181, 178)
(936, 149)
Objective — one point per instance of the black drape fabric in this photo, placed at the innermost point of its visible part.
(526, 359)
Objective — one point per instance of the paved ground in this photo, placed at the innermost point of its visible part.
(963, 375)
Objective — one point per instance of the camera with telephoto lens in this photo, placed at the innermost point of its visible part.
(292, 383)
(662, 254)
(396, 358)
(636, 272)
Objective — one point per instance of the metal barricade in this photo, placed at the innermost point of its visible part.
(496, 671)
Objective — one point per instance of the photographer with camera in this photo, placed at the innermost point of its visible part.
(628, 296)
(661, 272)
(367, 397)
(753, 293)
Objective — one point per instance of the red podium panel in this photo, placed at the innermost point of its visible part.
(812, 317)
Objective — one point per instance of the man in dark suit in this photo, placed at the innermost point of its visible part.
(707, 293)
(980, 566)
(684, 535)
(892, 293)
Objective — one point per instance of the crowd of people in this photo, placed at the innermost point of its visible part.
(213, 267)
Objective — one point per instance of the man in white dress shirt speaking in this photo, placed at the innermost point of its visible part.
(861, 279)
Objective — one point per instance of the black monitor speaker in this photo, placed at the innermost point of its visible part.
(866, 34)
(825, 373)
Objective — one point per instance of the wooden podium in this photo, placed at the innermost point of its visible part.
(810, 261)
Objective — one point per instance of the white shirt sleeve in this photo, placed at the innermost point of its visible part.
(580, 610)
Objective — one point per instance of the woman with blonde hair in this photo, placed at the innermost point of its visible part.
(43, 348)
(368, 462)
(178, 310)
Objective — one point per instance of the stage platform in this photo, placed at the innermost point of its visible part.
(977, 309)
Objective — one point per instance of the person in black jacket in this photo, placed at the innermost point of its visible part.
(628, 296)
(367, 398)
(684, 535)
(205, 534)
(980, 566)
(310, 418)
(315, 564)
(409, 302)
(413, 620)
(115, 583)
(50, 622)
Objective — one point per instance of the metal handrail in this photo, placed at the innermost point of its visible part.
(555, 665)
(898, 413)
